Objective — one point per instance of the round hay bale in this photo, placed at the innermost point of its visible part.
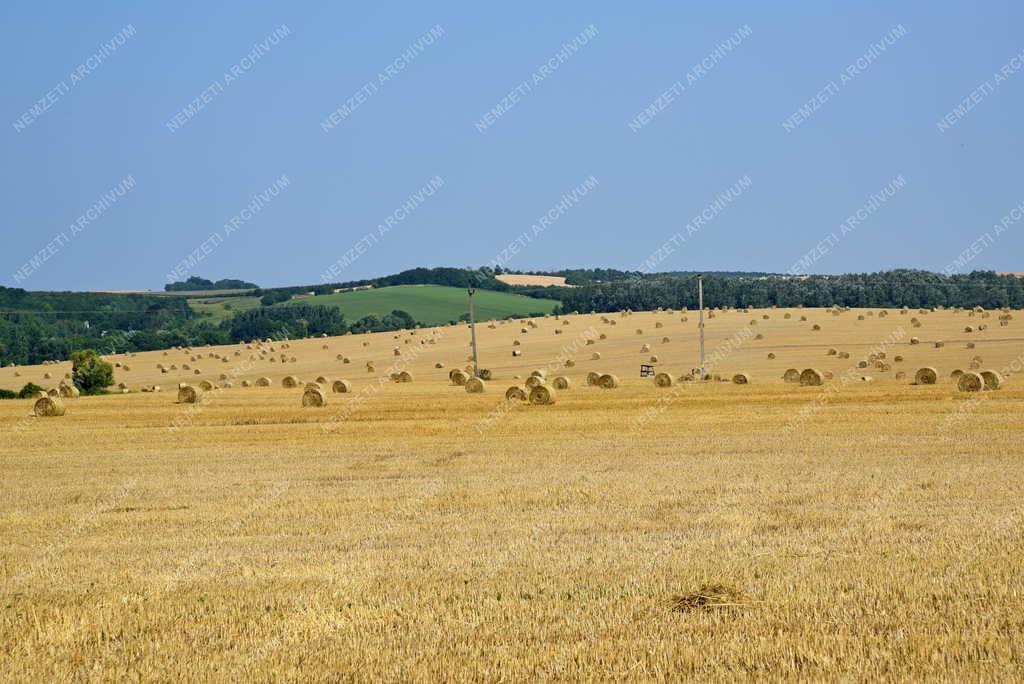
(290, 381)
(49, 375)
(939, 344)
(187, 394)
(901, 375)
(593, 378)
(321, 380)
(49, 407)
(225, 384)
(516, 352)
(914, 340)
(591, 341)
(741, 379)
(969, 345)
(475, 386)
(771, 355)
(569, 363)
(515, 393)
(815, 327)
(970, 382)
(205, 385)
(560, 383)
(533, 381)
(956, 373)
(639, 331)
(862, 364)
(832, 352)
(542, 395)
(665, 340)
(791, 375)
(602, 336)
(458, 376)
(264, 382)
(540, 373)
(341, 387)
(53, 392)
(439, 364)
(608, 381)
(993, 380)
(897, 359)
(811, 377)
(596, 356)
(314, 396)
(370, 368)
(926, 376)
(68, 391)
(404, 376)
(662, 380)
(246, 383)
(645, 349)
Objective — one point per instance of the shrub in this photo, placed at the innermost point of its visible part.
(29, 390)
(91, 374)
(8, 394)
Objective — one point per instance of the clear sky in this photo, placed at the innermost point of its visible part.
(353, 108)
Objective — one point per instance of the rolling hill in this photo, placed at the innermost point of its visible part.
(429, 304)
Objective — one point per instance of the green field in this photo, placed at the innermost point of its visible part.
(219, 308)
(430, 304)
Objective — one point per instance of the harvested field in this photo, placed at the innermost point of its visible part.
(417, 533)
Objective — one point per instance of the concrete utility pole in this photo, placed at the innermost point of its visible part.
(700, 324)
(472, 330)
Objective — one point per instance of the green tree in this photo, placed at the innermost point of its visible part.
(89, 372)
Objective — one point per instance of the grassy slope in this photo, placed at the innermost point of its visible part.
(219, 308)
(430, 304)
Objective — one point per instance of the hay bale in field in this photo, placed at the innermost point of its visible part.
(592, 341)
(811, 377)
(593, 378)
(956, 373)
(969, 345)
(862, 364)
(404, 377)
(970, 382)
(321, 380)
(741, 379)
(264, 382)
(602, 336)
(897, 359)
(662, 380)
(608, 381)
(758, 336)
(659, 324)
(569, 363)
(205, 385)
(475, 386)
(246, 383)
(596, 356)
(645, 349)
(49, 407)
(458, 377)
(832, 352)
(844, 355)
(939, 344)
(225, 384)
(560, 382)
(68, 390)
(866, 378)
(914, 340)
(791, 375)
(187, 394)
(341, 387)
(516, 352)
(968, 329)
(533, 381)
(515, 393)
(196, 371)
(771, 355)
(664, 340)
(314, 396)
(654, 359)
(542, 395)
(926, 376)
(540, 373)
(815, 327)
(993, 380)
(439, 364)
(290, 381)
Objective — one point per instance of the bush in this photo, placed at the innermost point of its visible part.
(29, 390)
(90, 373)
(8, 394)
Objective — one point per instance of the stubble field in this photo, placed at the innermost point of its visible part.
(413, 531)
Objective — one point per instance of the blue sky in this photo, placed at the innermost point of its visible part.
(421, 120)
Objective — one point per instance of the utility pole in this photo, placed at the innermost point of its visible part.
(700, 324)
(472, 329)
